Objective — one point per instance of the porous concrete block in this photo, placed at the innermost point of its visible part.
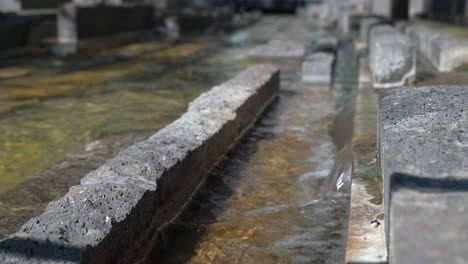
(280, 49)
(445, 52)
(116, 211)
(422, 132)
(427, 219)
(392, 58)
(318, 68)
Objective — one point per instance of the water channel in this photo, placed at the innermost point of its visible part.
(270, 200)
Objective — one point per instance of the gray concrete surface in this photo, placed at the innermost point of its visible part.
(428, 219)
(392, 57)
(318, 68)
(119, 209)
(422, 132)
(444, 51)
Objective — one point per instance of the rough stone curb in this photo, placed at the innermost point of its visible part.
(443, 50)
(119, 208)
(423, 145)
(392, 57)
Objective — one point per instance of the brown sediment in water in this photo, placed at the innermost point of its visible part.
(60, 84)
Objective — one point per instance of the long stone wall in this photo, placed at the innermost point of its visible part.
(120, 208)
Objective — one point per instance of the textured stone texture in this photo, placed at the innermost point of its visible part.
(422, 132)
(443, 50)
(428, 219)
(118, 208)
(392, 57)
(318, 68)
(279, 48)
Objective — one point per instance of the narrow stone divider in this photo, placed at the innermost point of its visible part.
(119, 208)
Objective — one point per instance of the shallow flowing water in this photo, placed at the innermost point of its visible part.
(281, 195)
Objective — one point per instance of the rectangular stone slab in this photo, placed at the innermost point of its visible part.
(422, 132)
(392, 57)
(119, 209)
(318, 68)
(445, 51)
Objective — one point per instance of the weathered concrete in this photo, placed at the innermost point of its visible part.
(280, 49)
(119, 209)
(444, 51)
(392, 58)
(427, 220)
(365, 241)
(318, 68)
(423, 133)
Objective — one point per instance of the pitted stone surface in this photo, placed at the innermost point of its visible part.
(279, 48)
(116, 210)
(318, 68)
(423, 132)
(392, 58)
(443, 50)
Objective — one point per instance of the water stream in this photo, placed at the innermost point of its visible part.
(282, 194)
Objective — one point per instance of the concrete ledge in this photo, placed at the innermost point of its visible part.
(119, 209)
(444, 51)
(392, 57)
(422, 132)
(318, 68)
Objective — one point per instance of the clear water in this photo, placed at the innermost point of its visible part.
(281, 196)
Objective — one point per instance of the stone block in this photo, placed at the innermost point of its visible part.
(422, 132)
(392, 58)
(444, 51)
(318, 68)
(427, 218)
(116, 211)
